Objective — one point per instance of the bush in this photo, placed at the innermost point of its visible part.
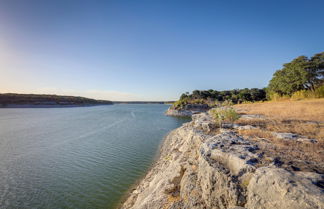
(198, 101)
(319, 92)
(308, 94)
(180, 103)
(277, 97)
(298, 95)
(227, 103)
(215, 104)
(224, 114)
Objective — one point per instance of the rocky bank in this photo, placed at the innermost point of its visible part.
(187, 111)
(200, 168)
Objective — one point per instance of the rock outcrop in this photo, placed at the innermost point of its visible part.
(199, 169)
(187, 111)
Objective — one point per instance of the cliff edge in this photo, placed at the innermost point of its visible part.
(187, 110)
(203, 167)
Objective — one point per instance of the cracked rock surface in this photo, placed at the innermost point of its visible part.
(201, 170)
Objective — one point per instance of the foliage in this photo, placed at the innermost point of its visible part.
(315, 71)
(227, 103)
(298, 95)
(301, 78)
(301, 73)
(37, 99)
(235, 96)
(277, 97)
(181, 103)
(308, 94)
(224, 114)
(319, 92)
(215, 98)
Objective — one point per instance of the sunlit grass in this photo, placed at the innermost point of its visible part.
(311, 110)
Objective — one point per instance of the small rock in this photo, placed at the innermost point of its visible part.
(135, 192)
(247, 127)
(307, 140)
(252, 116)
(285, 135)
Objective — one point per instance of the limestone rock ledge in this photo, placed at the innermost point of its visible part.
(187, 111)
(201, 170)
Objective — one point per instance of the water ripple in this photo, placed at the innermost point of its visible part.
(76, 158)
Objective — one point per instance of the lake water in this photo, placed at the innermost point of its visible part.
(75, 158)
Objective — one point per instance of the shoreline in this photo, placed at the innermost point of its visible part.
(142, 177)
(152, 165)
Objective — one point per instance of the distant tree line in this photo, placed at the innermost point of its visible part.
(303, 77)
(39, 99)
(235, 96)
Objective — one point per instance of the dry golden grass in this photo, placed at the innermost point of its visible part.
(310, 130)
(311, 110)
(287, 116)
(257, 133)
(305, 156)
(305, 118)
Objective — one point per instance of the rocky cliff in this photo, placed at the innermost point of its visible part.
(187, 111)
(200, 167)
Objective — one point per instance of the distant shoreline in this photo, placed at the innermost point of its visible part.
(47, 106)
(12, 100)
(4, 106)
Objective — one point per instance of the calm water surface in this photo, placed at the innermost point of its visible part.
(82, 157)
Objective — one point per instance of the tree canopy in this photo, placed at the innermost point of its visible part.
(235, 96)
(301, 73)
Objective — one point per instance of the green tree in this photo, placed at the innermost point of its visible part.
(183, 96)
(293, 77)
(315, 70)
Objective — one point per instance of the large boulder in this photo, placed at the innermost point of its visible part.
(273, 188)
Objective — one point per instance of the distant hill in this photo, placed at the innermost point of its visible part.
(11, 99)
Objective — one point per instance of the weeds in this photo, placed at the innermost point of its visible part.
(224, 114)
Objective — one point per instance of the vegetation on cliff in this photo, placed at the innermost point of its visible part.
(235, 96)
(224, 114)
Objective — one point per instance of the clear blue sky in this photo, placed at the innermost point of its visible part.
(151, 50)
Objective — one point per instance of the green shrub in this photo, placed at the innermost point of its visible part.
(215, 104)
(308, 94)
(319, 92)
(180, 103)
(224, 114)
(227, 103)
(198, 101)
(298, 95)
(277, 97)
